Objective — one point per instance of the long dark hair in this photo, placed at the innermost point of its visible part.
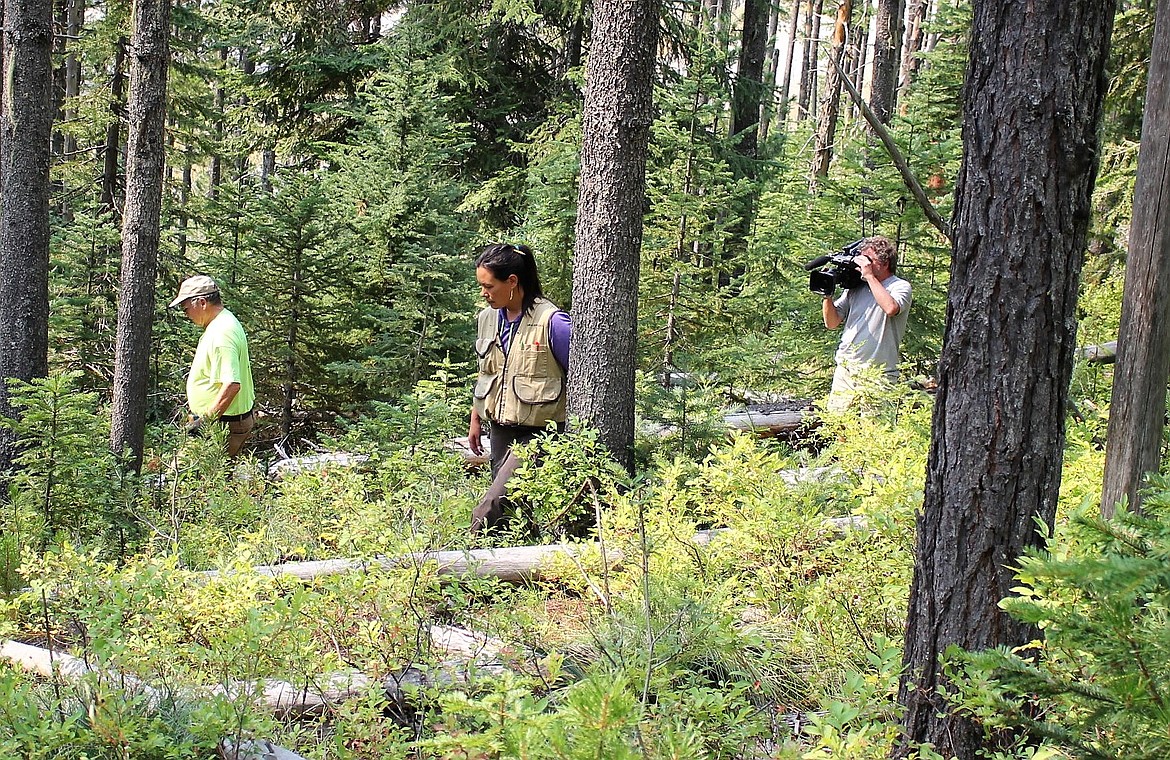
(504, 260)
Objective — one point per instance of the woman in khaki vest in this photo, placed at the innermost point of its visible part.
(523, 348)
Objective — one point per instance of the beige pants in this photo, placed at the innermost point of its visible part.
(239, 431)
(843, 392)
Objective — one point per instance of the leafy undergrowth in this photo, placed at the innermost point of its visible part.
(721, 608)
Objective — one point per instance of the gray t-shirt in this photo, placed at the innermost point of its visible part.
(869, 336)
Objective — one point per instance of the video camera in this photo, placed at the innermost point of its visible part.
(833, 269)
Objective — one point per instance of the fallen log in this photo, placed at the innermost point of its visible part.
(517, 564)
(520, 564)
(254, 750)
(771, 423)
(767, 419)
(1102, 353)
(463, 654)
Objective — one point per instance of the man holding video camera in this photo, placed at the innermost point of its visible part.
(874, 313)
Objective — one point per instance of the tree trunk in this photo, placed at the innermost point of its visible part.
(744, 131)
(74, 18)
(808, 65)
(215, 172)
(26, 124)
(183, 212)
(57, 145)
(915, 19)
(1032, 112)
(771, 69)
(749, 81)
(145, 157)
(267, 169)
(1137, 412)
(793, 24)
(291, 370)
(113, 147)
(887, 46)
(827, 122)
(615, 133)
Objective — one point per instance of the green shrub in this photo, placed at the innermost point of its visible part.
(1095, 684)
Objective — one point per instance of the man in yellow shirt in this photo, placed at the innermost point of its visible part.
(219, 385)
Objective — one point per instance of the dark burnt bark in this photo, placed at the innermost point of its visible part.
(887, 49)
(830, 106)
(113, 150)
(1032, 110)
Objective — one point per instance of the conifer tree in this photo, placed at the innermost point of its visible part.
(150, 59)
(998, 427)
(615, 131)
(26, 120)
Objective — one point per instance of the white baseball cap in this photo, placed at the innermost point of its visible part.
(192, 287)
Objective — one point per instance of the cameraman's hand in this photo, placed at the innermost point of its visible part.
(865, 264)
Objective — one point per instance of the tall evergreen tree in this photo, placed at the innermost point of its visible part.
(1137, 411)
(615, 130)
(1032, 113)
(145, 157)
(887, 48)
(26, 122)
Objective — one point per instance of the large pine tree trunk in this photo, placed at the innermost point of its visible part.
(830, 105)
(145, 158)
(1032, 109)
(1137, 413)
(615, 132)
(749, 87)
(887, 48)
(26, 123)
(744, 131)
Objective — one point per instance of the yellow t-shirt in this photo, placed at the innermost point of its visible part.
(220, 359)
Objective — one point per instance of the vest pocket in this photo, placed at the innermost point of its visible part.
(484, 385)
(483, 345)
(537, 390)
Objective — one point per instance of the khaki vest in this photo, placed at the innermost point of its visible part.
(526, 386)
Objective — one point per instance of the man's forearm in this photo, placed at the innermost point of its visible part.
(829, 314)
(225, 398)
(882, 297)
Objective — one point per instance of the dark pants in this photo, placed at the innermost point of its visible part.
(490, 511)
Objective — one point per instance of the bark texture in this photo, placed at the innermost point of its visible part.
(113, 149)
(749, 79)
(145, 159)
(1137, 412)
(887, 49)
(831, 104)
(26, 122)
(1032, 109)
(615, 133)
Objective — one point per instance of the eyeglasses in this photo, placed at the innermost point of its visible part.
(186, 305)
